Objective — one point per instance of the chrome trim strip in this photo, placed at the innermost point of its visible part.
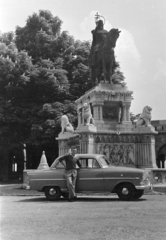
(91, 179)
(107, 178)
(143, 187)
(47, 179)
(122, 178)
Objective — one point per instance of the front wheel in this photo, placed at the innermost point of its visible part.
(126, 192)
(52, 193)
(138, 194)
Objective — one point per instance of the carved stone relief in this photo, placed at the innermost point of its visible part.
(118, 154)
(123, 138)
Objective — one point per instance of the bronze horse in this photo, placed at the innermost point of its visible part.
(105, 58)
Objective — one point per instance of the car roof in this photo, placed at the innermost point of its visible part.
(89, 155)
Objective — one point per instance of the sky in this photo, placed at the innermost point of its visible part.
(140, 49)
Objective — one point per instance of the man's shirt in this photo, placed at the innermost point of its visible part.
(70, 161)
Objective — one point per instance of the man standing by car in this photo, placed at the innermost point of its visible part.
(70, 172)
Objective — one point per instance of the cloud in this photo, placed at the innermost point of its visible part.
(126, 47)
(159, 79)
(88, 22)
(160, 69)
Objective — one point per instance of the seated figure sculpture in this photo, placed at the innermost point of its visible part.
(87, 118)
(66, 125)
(145, 117)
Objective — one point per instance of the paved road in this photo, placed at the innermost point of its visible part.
(90, 218)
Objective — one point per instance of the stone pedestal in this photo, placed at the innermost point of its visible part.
(66, 141)
(86, 139)
(145, 147)
(112, 134)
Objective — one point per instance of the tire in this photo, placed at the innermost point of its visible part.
(52, 193)
(138, 194)
(126, 192)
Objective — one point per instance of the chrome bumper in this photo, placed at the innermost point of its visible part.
(142, 187)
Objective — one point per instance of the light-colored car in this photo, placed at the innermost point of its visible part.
(96, 175)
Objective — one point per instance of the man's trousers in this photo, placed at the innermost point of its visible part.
(71, 176)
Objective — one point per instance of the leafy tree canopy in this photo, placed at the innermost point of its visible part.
(42, 72)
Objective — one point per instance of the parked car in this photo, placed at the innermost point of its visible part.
(96, 175)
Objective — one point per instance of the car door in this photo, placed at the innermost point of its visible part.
(58, 175)
(90, 176)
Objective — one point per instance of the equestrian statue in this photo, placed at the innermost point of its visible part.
(102, 58)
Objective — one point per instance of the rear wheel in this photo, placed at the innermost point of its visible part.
(52, 193)
(138, 194)
(126, 192)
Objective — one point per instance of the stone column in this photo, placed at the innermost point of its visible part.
(98, 111)
(87, 143)
(63, 147)
(95, 111)
(79, 112)
(123, 113)
(128, 113)
(145, 156)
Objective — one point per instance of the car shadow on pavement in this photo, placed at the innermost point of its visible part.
(80, 199)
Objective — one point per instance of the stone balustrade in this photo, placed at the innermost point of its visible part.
(158, 176)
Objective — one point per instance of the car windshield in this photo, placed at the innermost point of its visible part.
(104, 161)
(54, 163)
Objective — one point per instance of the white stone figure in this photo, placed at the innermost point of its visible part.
(43, 162)
(87, 115)
(145, 117)
(66, 125)
(130, 155)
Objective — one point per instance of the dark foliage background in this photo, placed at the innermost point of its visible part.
(43, 70)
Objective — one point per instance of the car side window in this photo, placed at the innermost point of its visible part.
(83, 162)
(89, 163)
(94, 163)
(60, 165)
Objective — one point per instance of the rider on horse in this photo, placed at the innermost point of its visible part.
(99, 36)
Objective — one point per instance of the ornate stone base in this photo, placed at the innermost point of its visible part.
(86, 128)
(65, 135)
(66, 141)
(144, 129)
(112, 132)
(128, 149)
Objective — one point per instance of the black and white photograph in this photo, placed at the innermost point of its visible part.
(82, 120)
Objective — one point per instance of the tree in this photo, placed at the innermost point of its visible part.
(11, 88)
(118, 76)
(24, 89)
(42, 72)
(40, 36)
(43, 40)
(28, 85)
(7, 38)
(76, 63)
